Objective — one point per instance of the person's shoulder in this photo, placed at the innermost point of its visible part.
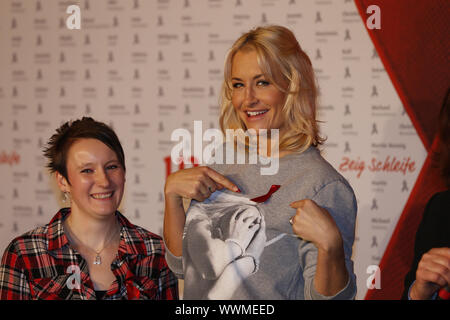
(317, 168)
(153, 242)
(439, 203)
(442, 197)
(31, 241)
(146, 234)
(142, 238)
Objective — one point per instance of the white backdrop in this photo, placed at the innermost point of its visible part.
(148, 67)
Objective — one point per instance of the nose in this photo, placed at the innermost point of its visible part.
(250, 97)
(102, 179)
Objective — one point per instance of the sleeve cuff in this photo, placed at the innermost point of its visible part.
(433, 297)
(347, 293)
(175, 263)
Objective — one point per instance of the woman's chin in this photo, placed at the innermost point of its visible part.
(105, 211)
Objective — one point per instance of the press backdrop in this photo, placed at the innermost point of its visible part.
(150, 67)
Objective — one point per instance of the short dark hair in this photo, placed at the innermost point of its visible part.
(59, 144)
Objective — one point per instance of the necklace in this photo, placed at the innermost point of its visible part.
(98, 259)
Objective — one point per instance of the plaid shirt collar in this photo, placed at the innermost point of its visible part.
(42, 265)
(131, 245)
(131, 242)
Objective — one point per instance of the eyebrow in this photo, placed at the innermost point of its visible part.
(254, 78)
(90, 163)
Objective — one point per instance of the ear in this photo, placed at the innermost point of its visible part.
(62, 182)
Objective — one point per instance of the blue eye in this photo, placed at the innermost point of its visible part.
(237, 85)
(86, 171)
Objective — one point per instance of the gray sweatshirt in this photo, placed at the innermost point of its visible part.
(287, 264)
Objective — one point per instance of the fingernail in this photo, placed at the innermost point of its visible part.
(238, 190)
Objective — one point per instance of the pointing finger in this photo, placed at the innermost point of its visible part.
(222, 180)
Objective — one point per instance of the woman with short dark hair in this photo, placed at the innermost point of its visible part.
(89, 250)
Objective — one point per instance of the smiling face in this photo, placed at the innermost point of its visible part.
(256, 100)
(96, 179)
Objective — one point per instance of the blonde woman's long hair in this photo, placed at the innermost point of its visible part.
(287, 66)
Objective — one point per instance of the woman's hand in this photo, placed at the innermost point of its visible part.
(313, 223)
(196, 183)
(243, 225)
(433, 273)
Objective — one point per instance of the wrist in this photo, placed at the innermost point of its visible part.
(168, 192)
(420, 292)
(173, 198)
(332, 246)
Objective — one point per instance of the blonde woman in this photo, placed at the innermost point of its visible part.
(309, 221)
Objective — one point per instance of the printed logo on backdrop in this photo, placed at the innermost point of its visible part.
(388, 164)
(347, 35)
(163, 62)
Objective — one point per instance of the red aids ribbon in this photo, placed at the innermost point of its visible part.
(264, 198)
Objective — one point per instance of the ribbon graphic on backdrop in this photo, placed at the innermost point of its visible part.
(412, 34)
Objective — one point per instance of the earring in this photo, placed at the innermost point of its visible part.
(66, 198)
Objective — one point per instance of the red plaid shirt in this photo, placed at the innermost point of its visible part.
(41, 264)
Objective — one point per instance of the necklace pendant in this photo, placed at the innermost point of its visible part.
(97, 260)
